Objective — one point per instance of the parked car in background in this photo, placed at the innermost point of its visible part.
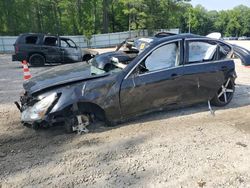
(173, 71)
(232, 38)
(38, 49)
(243, 38)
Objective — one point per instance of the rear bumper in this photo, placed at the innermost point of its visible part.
(14, 58)
(19, 57)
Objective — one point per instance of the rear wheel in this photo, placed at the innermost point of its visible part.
(224, 94)
(36, 60)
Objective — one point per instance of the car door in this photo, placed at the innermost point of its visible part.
(242, 53)
(70, 51)
(51, 49)
(203, 73)
(154, 81)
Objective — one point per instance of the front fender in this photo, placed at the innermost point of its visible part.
(68, 97)
(104, 93)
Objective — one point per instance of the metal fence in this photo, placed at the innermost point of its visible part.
(96, 41)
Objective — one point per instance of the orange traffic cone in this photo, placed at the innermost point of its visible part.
(26, 71)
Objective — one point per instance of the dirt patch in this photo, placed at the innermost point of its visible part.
(162, 149)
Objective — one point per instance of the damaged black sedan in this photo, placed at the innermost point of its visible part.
(172, 72)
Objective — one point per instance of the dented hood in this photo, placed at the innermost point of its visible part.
(60, 75)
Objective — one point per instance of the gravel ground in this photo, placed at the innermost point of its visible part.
(181, 148)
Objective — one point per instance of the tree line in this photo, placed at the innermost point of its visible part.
(87, 17)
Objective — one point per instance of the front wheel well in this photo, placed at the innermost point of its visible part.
(91, 108)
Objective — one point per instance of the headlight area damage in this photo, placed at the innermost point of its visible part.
(39, 109)
(43, 111)
(34, 111)
(69, 95)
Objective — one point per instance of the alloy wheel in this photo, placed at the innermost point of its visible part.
(226, 91)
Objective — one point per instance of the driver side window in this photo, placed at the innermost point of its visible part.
(64, 44)
(67, 43)
(164, 57)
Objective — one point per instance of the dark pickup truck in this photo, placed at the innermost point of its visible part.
(39, 49)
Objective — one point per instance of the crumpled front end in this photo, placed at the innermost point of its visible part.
(35, 111)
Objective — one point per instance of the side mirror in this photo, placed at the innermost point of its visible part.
(135, 73)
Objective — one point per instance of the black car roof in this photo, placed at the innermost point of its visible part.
(178, 36)
(157, 40)
(38, 34)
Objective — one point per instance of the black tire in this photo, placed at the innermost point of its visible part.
(87, 57)
(69, 123)
(35, 126)
(36, 60)
(225, 94)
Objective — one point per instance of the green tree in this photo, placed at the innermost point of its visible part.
(233, 25)
(221, 22)
(87, 17)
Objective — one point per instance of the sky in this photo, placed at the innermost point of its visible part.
(220, 4)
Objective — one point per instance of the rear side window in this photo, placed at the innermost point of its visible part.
(51, 41)
(31, 39)
(201, 51)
